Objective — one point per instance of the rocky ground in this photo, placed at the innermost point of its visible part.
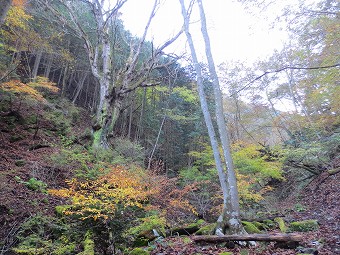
(319, 201)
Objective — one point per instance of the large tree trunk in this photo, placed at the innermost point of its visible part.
(230, 216)
(111, 114)
(4, 7)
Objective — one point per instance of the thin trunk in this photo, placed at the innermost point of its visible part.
(230, 216)
(130, 116)
(65, 75)
(156, 143)
(140, 123)
(208, 119)
(48, 67)
(36, 65)
(80, 86)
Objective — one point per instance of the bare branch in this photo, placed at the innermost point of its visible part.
(142, 85)
(280, 70)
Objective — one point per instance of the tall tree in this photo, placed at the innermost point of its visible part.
(229, 219)
(115, 83)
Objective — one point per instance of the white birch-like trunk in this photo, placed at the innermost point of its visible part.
(231, 216)
(208, 120)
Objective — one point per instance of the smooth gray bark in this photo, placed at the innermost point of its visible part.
(230, 216)
(207, 117)
(36, 65)
(80, 85)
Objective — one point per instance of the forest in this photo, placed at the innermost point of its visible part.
(111, 144)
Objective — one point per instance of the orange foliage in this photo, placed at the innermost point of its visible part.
(167, 198)
(19, 2)
(104, 197)
(30, 89)
(120, 189)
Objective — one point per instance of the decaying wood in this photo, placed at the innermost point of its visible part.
(253, 237)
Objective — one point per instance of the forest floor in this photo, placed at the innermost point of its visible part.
(25, 151)
(319, 201)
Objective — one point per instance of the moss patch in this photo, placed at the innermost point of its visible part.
(268, 224)
(139, 251)
(250, 227)
(206, 230)
(304, 226)
(281, 224)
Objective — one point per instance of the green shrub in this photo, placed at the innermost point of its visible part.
(88, 245)
(60, 209)
(129, 150)
(299, 208)
(33, 184)
(45, 235)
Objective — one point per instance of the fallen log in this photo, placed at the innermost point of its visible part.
(254, 237)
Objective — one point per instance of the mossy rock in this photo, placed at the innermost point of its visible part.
(259, 225)
(226, 253)
(139, 251)
(188, 229)
(197, 224)
(281, 223)
(304, 226)
(250, 228)
(206, 230)
(268, 224)
(140, 242)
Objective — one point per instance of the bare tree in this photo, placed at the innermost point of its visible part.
(230, 216)
(115, 85)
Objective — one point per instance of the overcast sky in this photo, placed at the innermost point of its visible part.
(234, 33)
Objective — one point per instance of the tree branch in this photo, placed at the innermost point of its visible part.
(280, 70)
(142, 85)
